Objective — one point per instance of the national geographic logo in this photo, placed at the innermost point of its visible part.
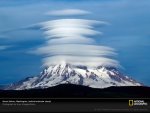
(130, 103)
(137, 103)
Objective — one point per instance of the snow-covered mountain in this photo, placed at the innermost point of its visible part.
(63, 73)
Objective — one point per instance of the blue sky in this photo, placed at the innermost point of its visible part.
(128, 33)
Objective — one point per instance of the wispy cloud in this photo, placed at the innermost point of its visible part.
(67, 12)
(4, 47)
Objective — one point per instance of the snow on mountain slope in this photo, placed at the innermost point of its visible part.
(100, 77)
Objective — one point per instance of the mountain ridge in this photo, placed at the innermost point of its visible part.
(64, 73)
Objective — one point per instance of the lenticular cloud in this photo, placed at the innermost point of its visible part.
(67, 12)
(70, 40)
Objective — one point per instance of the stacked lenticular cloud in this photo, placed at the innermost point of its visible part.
(71, 40)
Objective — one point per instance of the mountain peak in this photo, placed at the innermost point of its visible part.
(65, 73)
